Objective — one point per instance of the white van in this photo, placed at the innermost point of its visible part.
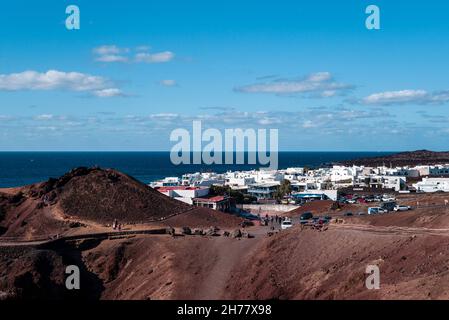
(388, 198)
(287, 223)
(376, 210)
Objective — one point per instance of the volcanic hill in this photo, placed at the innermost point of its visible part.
(102, 195)
(95, 196)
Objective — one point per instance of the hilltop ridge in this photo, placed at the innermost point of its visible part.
(96, 197)
(417, 157)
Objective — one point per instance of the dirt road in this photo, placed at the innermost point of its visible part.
(232, 253)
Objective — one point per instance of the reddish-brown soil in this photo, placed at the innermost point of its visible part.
(93, 198)
(411, 249)
(102, 195)
(331, 265)
(166, 268)
(316, 207)
(203, 217)
(31, 274)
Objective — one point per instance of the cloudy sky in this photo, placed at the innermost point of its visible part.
(137, 70)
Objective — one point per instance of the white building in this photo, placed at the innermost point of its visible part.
(263, 183)
(263, 190)
(239, 182)
(295, 171)
(432, 185)
(184, 193)
(403, 172)
(341, 173)
(166, 182)
(387, 182)
(205, 179)
(440, 170)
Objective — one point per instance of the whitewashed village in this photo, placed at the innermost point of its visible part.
(284, 189)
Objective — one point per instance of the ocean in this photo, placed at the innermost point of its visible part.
(23, 168)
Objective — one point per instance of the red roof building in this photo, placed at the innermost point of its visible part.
(220, 203)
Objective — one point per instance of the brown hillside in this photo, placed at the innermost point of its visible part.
(102, 195)
(331, 265)
(93, 198)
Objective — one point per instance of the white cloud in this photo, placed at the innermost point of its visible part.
(58, 80)
(109, 92)
(168, 83)
(320, 77)
(266, 121)
(317, 120)
(110, 53)
(45, 128)
(308, 124)
(112, 58)
(391, 97)
(143, 48)
(44, 117)
(4, 117)
(320, 84)
(158, 57)
(51, 80)
(164, 116)
(406, 96)
(109, 49)
(113, 53)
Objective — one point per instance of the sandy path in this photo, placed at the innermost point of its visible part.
(11, 241)
(232, 252)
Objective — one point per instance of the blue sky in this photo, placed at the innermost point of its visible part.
(136, 70)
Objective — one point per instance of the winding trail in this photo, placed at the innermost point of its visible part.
(9, 242)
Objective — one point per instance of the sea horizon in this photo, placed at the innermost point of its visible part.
(19, 168)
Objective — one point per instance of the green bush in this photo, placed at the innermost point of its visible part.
(240, 197)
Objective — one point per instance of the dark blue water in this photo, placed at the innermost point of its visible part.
(22, 168)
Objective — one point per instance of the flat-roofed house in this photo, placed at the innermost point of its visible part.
(220, 203)
(263, 190)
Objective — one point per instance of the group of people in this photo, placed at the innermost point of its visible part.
(116, 225)
(270, 220)
(276, 218)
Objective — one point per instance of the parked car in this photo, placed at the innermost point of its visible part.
(306, 216)
(248, 216)
(287, 223)
(361, 213)
(402, 208)
(323, 220)
(388, 206)
(348, 214)
(388, 198)
(351, 201)
(376, 210)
